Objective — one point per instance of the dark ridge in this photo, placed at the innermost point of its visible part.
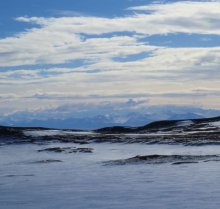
(149, 127)
(36, 128)
(167, 125)
(204, 120)
(6, 131)
(9, 131)
(116, 130)
(160, 159)
(159, 124)
(154, 126)
(17, 131)
(26, 128)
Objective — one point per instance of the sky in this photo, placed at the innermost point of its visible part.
(82, 56)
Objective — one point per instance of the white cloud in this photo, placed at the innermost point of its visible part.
(44, 47)
(187, 17)
(163, 74)
(59, 40)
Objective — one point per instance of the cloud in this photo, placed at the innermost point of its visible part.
(135, 102)
(109, 50)
(42, 47)
(132, 99)
(164, 65)
(186, 17)
(60, 40)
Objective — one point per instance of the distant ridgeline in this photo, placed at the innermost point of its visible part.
(160, 130)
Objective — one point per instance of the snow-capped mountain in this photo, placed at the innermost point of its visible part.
(134, 118)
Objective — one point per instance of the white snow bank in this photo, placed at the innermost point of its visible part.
(184, 123)
(146, 134)
(217, 123)
(54, 133)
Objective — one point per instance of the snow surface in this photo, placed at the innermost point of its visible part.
(82, 181)
(148, 134)
(184, 123)
(217, 123)
(38, 133)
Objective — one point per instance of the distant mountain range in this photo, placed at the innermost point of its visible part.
(132, 119)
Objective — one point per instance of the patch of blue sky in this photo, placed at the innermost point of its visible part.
(69, 64)
(54, 73)
(106, 8)
(58, 8)
(46, 8)
(133, 57)
(183, 40)
(10, 9)
(72, 66)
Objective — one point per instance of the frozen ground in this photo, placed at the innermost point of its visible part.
(45, 180)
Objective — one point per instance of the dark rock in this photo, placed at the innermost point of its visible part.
(85, 150)
(56, 149)
(10, 131)
(211, 161)
(68, 149)
(49, 161)
(19, 175)
(41, 143)
(178, 163)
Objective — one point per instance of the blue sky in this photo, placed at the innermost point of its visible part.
(88, 53)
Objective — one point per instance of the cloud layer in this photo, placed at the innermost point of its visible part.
(59, 40)
(116, 60)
